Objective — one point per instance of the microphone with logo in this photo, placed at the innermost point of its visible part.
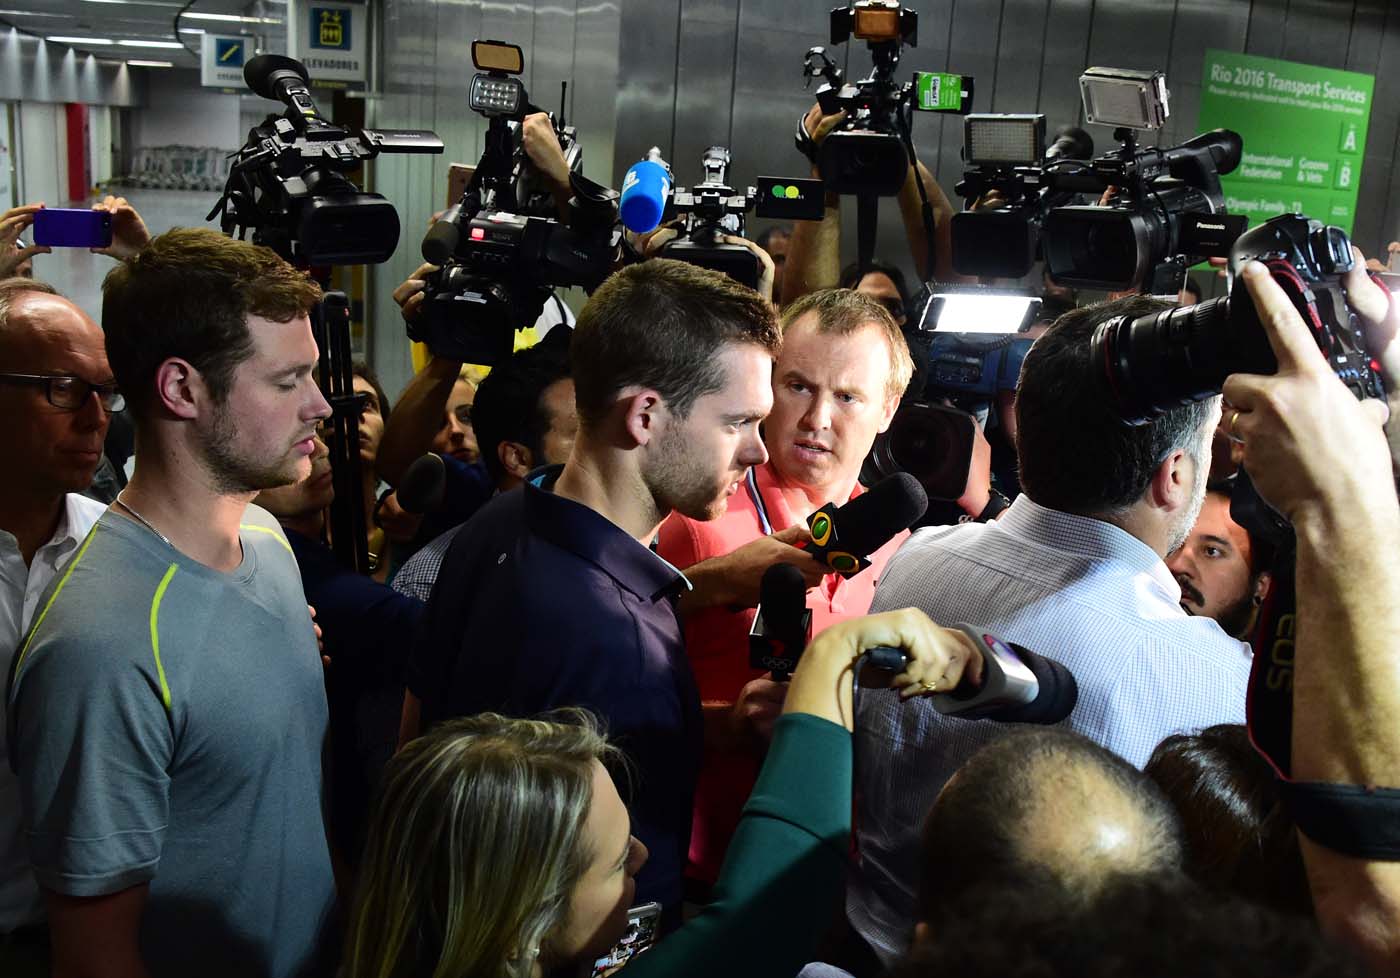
(645, 190)
(1017, 686)
(844, 537)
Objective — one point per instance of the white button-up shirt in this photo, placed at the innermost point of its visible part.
(21, 588)
(1081, 591)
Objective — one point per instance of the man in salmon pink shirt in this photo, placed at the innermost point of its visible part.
(843, 367)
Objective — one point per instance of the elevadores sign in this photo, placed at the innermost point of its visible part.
(330, 39)
(1304, 132)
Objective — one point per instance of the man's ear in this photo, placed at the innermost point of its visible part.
(644, 414)
(181, 389)
(891, 406)
(1172, 481)
(516, 459)
(1263, 581)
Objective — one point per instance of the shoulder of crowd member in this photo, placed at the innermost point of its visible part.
(684, 542)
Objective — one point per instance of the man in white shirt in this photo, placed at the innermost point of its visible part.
(56, 392)
(1074, 570)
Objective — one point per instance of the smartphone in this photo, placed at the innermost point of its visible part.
(641, 934)
(936, 91)
(72, 227)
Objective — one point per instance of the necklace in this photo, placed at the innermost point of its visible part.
(143, 521)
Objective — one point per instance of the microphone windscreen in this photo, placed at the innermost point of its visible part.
(1071, 143)
(423, 485)
(644, 193)
(866, 523)
(262, 71)
(782, 593)
(1057, 694)
(440, 243)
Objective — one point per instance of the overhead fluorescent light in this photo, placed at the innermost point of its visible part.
(83, 41)
(151, 64)
(137, 3)
(150, 44)
(191, 30)
(234, 18)
(33, 13)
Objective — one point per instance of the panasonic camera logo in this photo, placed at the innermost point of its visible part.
(1210, 227)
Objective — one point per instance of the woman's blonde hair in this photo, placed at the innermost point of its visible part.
(474, 848)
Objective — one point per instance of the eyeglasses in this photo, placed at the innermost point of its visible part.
(69, 393)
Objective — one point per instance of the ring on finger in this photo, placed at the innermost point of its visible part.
(1230, 428)
(930, 687)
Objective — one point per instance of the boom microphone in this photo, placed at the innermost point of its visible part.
(783, 623)
(645, 190)
(844, 537)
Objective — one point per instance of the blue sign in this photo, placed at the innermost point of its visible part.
(330, 28)
(228, 53)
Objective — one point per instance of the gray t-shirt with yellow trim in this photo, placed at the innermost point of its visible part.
(167, 723)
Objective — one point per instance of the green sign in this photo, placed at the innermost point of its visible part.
(1304, 132)
(938, 92)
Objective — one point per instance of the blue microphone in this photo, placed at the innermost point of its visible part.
(644, 192)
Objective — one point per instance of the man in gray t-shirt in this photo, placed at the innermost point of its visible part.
(166, 712)
(168, 723)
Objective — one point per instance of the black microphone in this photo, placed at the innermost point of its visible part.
(423, 485)
(277, 77)
(1018, 685)
(440, 243)
(783, 623)
(844, 537)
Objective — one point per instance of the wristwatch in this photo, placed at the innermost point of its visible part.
(996, 505)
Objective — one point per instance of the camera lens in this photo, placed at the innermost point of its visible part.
(1162, 360)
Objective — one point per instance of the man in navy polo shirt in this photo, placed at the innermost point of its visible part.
(552, 597)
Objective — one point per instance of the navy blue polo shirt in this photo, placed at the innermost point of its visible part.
(543, 603)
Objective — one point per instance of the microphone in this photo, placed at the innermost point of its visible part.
(1018, 685)
(844, 537)
(423, 485)
(645, 190)
(278, 77)
(440, 243)
(783, 623)
(1071, 143)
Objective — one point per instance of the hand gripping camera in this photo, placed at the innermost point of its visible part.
(288, 183)
(500, 252)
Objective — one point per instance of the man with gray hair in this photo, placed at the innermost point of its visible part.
(1073, 570)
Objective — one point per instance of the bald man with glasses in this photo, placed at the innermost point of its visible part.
(56, 396)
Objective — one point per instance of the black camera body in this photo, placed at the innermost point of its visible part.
(1155, 363)
(288, 184)
(500, 249)
(708, 211)
(1168, 212)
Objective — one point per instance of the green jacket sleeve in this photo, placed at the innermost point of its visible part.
(784, 874)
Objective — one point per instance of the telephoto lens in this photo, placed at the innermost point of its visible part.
(1156, 362)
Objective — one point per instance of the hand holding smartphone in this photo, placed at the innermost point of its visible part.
(72, 227)
(641, 934)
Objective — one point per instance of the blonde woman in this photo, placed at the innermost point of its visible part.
(500, 848)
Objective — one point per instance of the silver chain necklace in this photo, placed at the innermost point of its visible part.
(143, 521)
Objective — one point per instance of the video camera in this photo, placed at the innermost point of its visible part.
(711, 209)
(499, 250)
(1168, 210)
(869, 152)
(288, 183)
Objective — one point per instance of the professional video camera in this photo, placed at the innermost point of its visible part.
(868, 154)
(1167, 210)
(968, 343)
(500, 252)
(288, 183)
(711, 209)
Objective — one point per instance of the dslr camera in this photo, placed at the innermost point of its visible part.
(1154, 363)
(500, 249)
(711, 209)
(288, 183)
(1168, 211)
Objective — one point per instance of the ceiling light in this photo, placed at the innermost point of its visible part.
(84, 41)
(137, 3)
(32, 13)
(152, 64)
(191, 30)
(234, 18)
(150, 44)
